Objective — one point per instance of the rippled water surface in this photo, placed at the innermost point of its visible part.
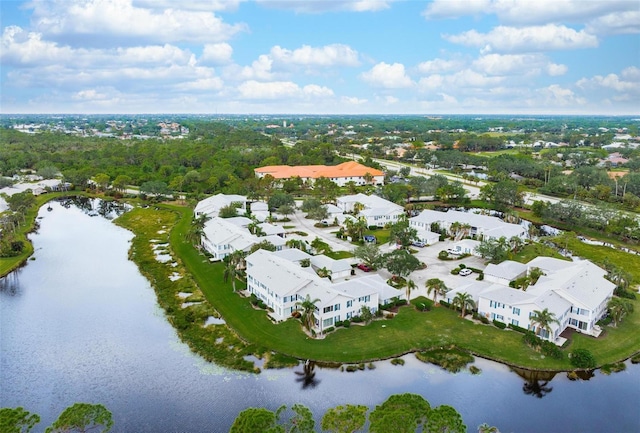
(80, 323)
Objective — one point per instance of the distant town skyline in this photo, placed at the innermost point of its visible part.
(321, 57)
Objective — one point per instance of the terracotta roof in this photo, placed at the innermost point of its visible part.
(346, 169)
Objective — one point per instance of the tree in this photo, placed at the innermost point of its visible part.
(503, 194)
(436, 286)
(102, 181)
(319, 213)
(320, 246)
(494, 250)
(401, 263)
(17, 420)
(582, 358)
(543, 320)
(411, 285)
(286, 210)
(464, 301)
(369, 253)
(233, 263)
(228, 211)
(196, 231)
(402, 233)
(121, 182)
(21, 201)
(308, 307)
(345, 419)
(262, 245)
(365, 314)
(400, 413)
(325, 189)
(445, 419)
(280, 199)
(155, 187)
(535, 274)
(618, 308)
(301, 422)
(81, 418)
(486, 428)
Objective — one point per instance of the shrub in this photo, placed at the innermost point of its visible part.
(372, 228)
(346, 323)
(613, 368)
(582, 358)
(635, 359)
(397, 361)
(480, 276)
(462, 266)
(550, 349)
(484, 320)
(474, 370)
(356, 319)
(530, 339)
(338, 324)
(500, 325)
(329, 329)
(604, 321)
(351, 368)
(445, 304)
(517, 328)
(455, 271)
(443, 255)
(623, 293)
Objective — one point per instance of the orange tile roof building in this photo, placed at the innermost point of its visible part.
(341, 174)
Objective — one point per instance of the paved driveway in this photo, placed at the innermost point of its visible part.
(436, 268)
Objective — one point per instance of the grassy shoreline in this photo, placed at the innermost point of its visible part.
(409, 331)
(248, 331)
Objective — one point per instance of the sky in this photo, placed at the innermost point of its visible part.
(320, 56)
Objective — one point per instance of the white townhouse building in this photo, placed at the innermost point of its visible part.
(480, 226)
(504, 272)
(281, 283)
(575, 292)
(376, 210)
(224, 236)
(211, 205)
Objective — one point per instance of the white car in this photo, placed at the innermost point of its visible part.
(466, 271)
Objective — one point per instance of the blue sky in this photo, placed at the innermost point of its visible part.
(321, 56)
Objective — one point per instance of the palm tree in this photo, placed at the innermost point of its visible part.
(543, 319)
(196, 231)
(535, 274)
(435, 286)
(234, 263)
(486, 428)
(323, 273)
(618, 308)
(308, 308)
(515, 243)
(411, 285)
(464, 301)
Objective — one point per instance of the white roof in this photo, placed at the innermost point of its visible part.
(369, 201)
(492, 226)
(239, 221)
(211, 205)
(321, 261)
(259, 206)
(464, 244)
(281, 275)
(271, 229)
(510, 296)
(332, 208)
(474, 289)
(507, 269)
(553, 302)
(292, 254)
(221, 232)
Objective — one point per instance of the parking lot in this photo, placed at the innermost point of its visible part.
(436, 268)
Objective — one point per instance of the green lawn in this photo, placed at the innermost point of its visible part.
(337, 255)
(410, 330)
(531, 251)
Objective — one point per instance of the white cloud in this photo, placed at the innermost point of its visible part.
(211, 83)
(352, 100)
(530, 11)
(558, 96)
(628, 82)
(387, 76)
(216, 54)
(100, 22)
(89, 94)
(192, 5)
(526, 39)
(260, 69)
(437, 66)
(627, 22)
(517, 64)
(328, 55)
(321, 6)
(281, 90)
(20, 47)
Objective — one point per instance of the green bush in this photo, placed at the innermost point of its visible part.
(484, 320)
(623, 293)
(443, 255)
(338, 323)
(356, 319)
(550, 349)
(635, 359)
(480, 276)
(346, 323)
(499, 324)
(455, 271)
(445, 304)
(397, 361)
(582, 358)
(517, 328)
(329, 329)
(605, 321)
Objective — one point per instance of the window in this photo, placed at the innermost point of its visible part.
(516, 311)
(515, 322)
(349, 304)
(327, 309)
(336, 307)
(327, 322)
(500, 317)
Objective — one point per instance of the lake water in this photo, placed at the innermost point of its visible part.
(79, 323)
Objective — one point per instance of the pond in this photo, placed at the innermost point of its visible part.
(80, 323)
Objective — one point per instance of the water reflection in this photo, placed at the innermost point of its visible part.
(307, 377)
(10, 285)
(109, 209)
(536, 382)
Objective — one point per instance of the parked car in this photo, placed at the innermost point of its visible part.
(419, 244)
(453, 252)
(369, 238)
(364, 267)
(466, 271)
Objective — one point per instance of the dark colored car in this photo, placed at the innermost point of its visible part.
(364, 267)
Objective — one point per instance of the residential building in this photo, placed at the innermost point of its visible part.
(465, 246)
(281, 284)
(375, 210)
(225, 236)
(505, 272)
(341, 174)
(211, 206)
(576, 293)
(481, 227)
